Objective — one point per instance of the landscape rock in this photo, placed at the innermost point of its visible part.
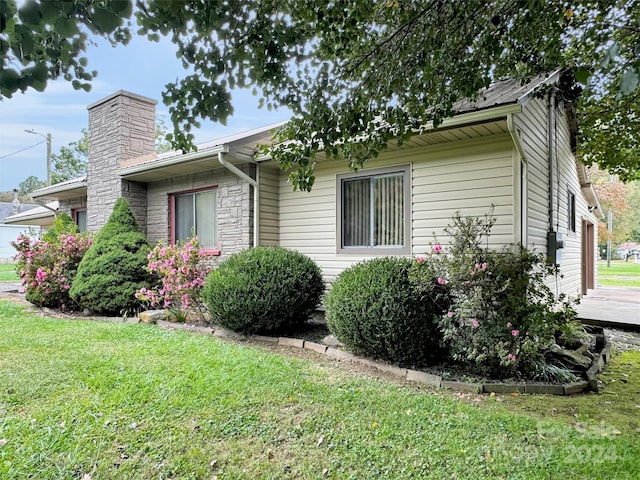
(571, 358)
(152, 316)
(331, 341)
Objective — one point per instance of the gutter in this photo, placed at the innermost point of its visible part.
(521, 178)
(173, 160)
(256, 192)
(460, 119)
(40, 204)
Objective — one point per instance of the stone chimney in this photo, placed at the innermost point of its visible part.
(121, 126)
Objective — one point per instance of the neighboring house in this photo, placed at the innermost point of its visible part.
(513, 149)
(15, 218)
(40, 217)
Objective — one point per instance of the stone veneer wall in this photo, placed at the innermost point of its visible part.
(121, 126)
(234, 204)
(67, 206)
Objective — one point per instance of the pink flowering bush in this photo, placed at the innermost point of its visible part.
(500, 316)
(182, 276)
(48, 268)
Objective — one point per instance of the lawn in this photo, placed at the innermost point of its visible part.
(619, 274)
(8, 273)
(97, 400)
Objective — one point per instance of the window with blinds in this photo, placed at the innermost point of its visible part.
(373, 210)
(195, 213)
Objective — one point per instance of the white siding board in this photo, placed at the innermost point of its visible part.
(467, 175)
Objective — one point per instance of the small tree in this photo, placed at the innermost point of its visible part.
(114, 268)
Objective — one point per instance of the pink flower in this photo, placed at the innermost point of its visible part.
(511, 357)
(474, 322)
(515, 333)
(477, 266)
(436, 248)
(449, 314)
(441, 281)
(508, 324)
(420, 259)
(484, 266)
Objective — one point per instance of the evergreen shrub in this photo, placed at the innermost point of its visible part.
(263, 290)
(114, 267)
(375, 311)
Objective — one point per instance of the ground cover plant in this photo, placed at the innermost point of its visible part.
(85, 399)
(619, 274)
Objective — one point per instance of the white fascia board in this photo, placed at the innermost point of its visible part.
(176, 160)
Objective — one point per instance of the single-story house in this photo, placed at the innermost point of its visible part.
(513, 149)
(40, 217)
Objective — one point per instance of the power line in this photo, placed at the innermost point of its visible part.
(27, 148)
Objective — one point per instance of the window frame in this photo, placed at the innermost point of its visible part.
(571, 211)
(405, 249)
(215, 250)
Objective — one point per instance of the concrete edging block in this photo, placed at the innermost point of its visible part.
(462, 386)
(316, 347)
(575, 387)
(503, 388)
(544, 389)
(291, 342)
(341, 354)
(424, 377)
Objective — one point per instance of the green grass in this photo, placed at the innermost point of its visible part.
(8, 273)
(619, 274)
(123, 401)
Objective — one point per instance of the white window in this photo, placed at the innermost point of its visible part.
(373, 212)
(194, 213)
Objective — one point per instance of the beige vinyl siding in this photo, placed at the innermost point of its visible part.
(233, 203)
(533, 124)
(268, 177)
(466, 175)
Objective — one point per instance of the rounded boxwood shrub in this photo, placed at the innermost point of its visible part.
(263, 289)
(114, 267)
(374, 309)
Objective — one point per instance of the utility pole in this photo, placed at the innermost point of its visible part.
(48, 159)
(609, 230)
(47, 137)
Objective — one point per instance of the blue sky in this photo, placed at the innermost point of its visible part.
(141, 67)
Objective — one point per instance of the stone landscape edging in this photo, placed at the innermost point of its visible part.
(437, 381)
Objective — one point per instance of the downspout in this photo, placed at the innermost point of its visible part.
(39, 203)
(256, 193)
(515, 137)
(552, 148)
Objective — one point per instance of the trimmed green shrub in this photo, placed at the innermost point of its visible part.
(263, 289)
(375, 311)
(114, 267)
